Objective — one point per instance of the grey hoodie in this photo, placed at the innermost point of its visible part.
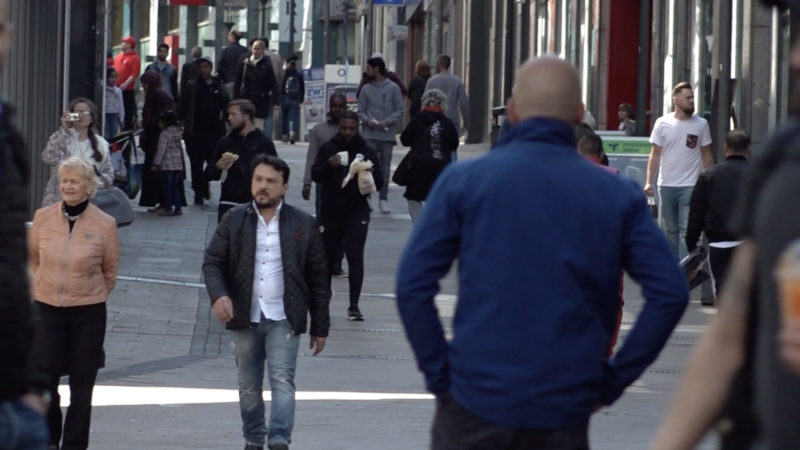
(380, 101)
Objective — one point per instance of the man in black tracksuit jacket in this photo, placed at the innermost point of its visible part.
(712, 205)
(202, 109)
(344, 212)
(234, 154)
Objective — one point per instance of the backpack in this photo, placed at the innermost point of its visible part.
(292, 86)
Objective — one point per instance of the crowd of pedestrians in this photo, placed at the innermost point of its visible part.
(533, 353)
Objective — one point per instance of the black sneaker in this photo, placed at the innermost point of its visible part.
(280, 446)
(253, 447)
(353, 313)
(339, 273)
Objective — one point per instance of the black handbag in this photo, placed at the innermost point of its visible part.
(401, 174)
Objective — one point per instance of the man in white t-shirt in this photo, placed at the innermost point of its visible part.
(682, 149)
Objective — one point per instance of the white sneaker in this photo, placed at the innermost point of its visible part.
(383, 205)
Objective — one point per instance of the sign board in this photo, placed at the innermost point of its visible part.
(232, 4)
(389, 2)
(625, 145)
(188, 2)
(315, 103)
(397, 32)
(339, 73)
(285, 20)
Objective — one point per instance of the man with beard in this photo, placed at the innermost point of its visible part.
(681, 148)
(265, 271)
(202, 110)
(345, 213)
(235, 152)
(380, 107)
(169, 76)
(745, 372)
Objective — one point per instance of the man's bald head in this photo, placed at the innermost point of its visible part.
(547, 87)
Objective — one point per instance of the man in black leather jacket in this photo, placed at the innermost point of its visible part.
(265, 271)
(714, 197)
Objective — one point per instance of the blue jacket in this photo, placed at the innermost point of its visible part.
(541, 236)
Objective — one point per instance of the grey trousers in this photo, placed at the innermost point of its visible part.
(384, 150)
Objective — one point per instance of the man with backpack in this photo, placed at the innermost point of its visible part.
(293, 90)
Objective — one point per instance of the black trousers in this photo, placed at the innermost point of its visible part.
(72, 344)
(719, 259)
(129, 103)
(350, 231)
(455, 428)
(200, 148)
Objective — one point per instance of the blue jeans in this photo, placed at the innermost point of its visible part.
(384, 151)
(275, 343)
(673, 208)
(290, 114)
(170, 180)
(21, 428)
(111, 125)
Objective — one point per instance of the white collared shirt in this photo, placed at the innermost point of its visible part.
(254, 60)
(268, 271)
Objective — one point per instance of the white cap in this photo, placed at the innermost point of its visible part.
(377, 55)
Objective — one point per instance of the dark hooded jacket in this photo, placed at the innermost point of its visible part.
(432, 138)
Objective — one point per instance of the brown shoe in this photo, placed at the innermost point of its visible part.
(164, 212)
(156, 210)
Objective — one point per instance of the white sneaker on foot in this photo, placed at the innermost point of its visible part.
(383, 205)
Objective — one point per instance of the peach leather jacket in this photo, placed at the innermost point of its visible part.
(73, 269)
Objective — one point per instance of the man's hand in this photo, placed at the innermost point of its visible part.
(789, 341)
(335, 161)
(226, 160)
(648, 189)
(306, 191)
(317, 341)
(223, 308)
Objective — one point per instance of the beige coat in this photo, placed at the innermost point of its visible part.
(73, 269)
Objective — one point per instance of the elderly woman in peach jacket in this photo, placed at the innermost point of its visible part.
(74, 254)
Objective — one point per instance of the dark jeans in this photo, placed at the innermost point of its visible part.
(200, 148)
(351, 231)
(111, 125)
(170, 180)
(129, 103)
(72, 343)
(290, 115)
(718, 260)
(455, 428)
(21, 428)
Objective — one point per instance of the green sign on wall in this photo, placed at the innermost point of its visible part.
(615, 145)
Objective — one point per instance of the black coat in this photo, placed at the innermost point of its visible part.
(236, 187)
(16, 325)
(415, 90)
(432, 137)
(229, 61)
(713, 200)
(229, 262)
(188, 110)
(258, 84)
(337, 202)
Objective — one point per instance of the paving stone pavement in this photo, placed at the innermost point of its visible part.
(170, 381)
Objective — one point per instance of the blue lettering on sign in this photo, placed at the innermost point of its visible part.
(314, 91)
(389, 2)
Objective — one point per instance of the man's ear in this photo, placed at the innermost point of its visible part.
(511, 112)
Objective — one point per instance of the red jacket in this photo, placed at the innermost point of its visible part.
(127, 65)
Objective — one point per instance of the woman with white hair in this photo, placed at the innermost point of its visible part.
(74, 254)
(433, 138)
